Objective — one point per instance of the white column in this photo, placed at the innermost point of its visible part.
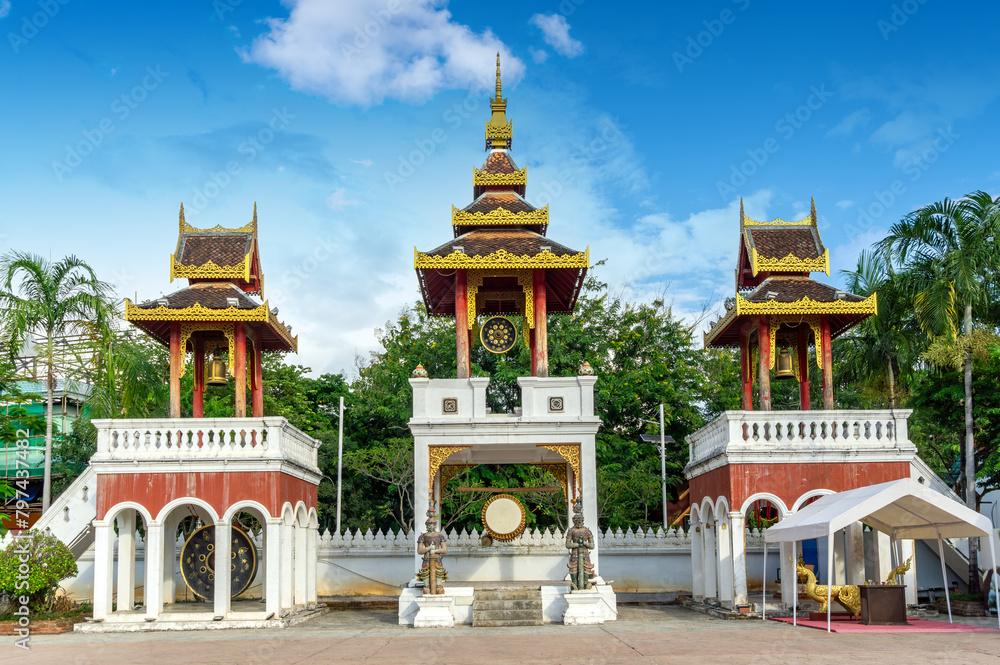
(697, 558)
(104, 566)
(223, 568)
(725, 546)
(169, 560)
(856, 554)
(312, 538)
(287, 576)
(711, 560)
(300, 565)
(588, 469)
(126, 559)
(272, 567)
(421, 489)
(153, 592)
(883, 556)
(839, 575)
(910, 576)
(789, 585)
(738, 533)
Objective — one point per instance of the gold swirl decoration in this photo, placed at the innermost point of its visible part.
(806, 306)
(436, 455)
(777, 221)
(499, 217)
(571, 453)
(482, 178)
(209, 270)
(499, 260)
(525, 278)
(790, 263)
(198, 312)
(226, 329)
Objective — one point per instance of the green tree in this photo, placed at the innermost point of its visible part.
(883, 348)
(948, 252)
(48, 562)
(53, 300)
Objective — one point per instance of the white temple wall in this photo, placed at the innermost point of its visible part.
(376, 564)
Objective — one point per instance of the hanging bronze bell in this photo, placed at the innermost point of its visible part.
(784, 365)
(216, 375)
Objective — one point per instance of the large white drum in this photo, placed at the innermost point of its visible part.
(503, 517)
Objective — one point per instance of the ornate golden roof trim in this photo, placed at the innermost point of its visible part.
(199, 313)
(790, 263)
(501, 259)
(806, 306)
(209, 270)
(777, 221)
(499, 217)
(249, 228)
(482, 178)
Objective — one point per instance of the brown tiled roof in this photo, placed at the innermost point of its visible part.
(493, 200)
(516, 241)
(212, 295)
(790, 289)
(778, 242)
(499, 161)
(222, 249)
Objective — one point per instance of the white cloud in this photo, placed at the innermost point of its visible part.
(539, 55)
(338, 200)
(846, 127)
(845, 204)
(364, 162)
(555, 31)
(362, 52)
(4, 8)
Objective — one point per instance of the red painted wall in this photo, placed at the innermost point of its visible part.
(219, 489)
(738, 482)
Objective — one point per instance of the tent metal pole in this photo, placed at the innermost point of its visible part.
(944, 574)
(993, 577)
(795, 583)
(763, 586)
(829, 580)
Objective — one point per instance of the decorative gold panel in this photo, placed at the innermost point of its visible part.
(571, 453)
(474, 280)
(499, 217)
(436, 456)
(790, 263)
(226, 329)
(209, 270)
(482, 178)
(499, 260)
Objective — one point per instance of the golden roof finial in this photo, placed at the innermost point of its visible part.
(181, 222)
(812, 213)
(498, 129)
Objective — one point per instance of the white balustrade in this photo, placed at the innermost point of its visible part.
(204, 439)
(834, 428)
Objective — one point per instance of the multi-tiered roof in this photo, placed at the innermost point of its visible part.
(501, 233)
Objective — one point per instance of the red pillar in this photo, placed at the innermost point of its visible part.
(258, 385)
(531, 349)
(176, 362)
(803, 368)
(540, 354)
(462, 342)
(198, 407)
(241, 369)
(827, 363)
(746, 377)
(764, 362)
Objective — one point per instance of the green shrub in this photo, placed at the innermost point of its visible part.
(48, 562)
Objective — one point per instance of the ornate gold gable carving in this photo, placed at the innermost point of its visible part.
(209, 270)
(436, 456)
(525, 278)
(571, 453)
(226, 329)
(806, 306)
(499, 217)
(499, 260)
(482, 178)
(790, 263)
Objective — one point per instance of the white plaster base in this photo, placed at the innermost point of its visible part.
(583, 608)
(192, 621)
(434, 612)
(460, 604)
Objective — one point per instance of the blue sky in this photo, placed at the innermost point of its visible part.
(354, 126)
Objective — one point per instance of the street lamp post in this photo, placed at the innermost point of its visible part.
(340, 457)
(663, 439)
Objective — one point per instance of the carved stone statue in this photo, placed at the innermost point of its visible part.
(579, 541)
(432, 547)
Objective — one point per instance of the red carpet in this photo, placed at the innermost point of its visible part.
(915, 626)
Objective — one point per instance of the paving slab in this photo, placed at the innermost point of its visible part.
(643, 634)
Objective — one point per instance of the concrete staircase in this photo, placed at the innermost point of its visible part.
(507, 606)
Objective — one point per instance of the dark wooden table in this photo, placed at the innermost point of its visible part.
(883, 605)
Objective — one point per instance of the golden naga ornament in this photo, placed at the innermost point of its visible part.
(198, 562)
(498, 335)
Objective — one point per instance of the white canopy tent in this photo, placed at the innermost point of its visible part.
(903, 509)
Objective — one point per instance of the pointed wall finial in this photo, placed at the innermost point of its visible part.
(499, 95)
(255, 214)
(812, 211)
(741, 212)
(181, 222)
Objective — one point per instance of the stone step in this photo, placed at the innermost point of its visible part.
(508, 595)
(534, 604)
(506, 614)
(513, 606)
(505, 623)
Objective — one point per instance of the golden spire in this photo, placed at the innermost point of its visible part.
(498, 129)
(812, 213)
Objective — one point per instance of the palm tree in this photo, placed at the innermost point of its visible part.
(883, 347)
(949, 252)
(52, 300)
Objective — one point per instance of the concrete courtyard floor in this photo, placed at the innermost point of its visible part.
(643, 634)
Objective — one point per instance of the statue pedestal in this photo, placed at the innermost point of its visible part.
(434, 612)
(583, 608)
